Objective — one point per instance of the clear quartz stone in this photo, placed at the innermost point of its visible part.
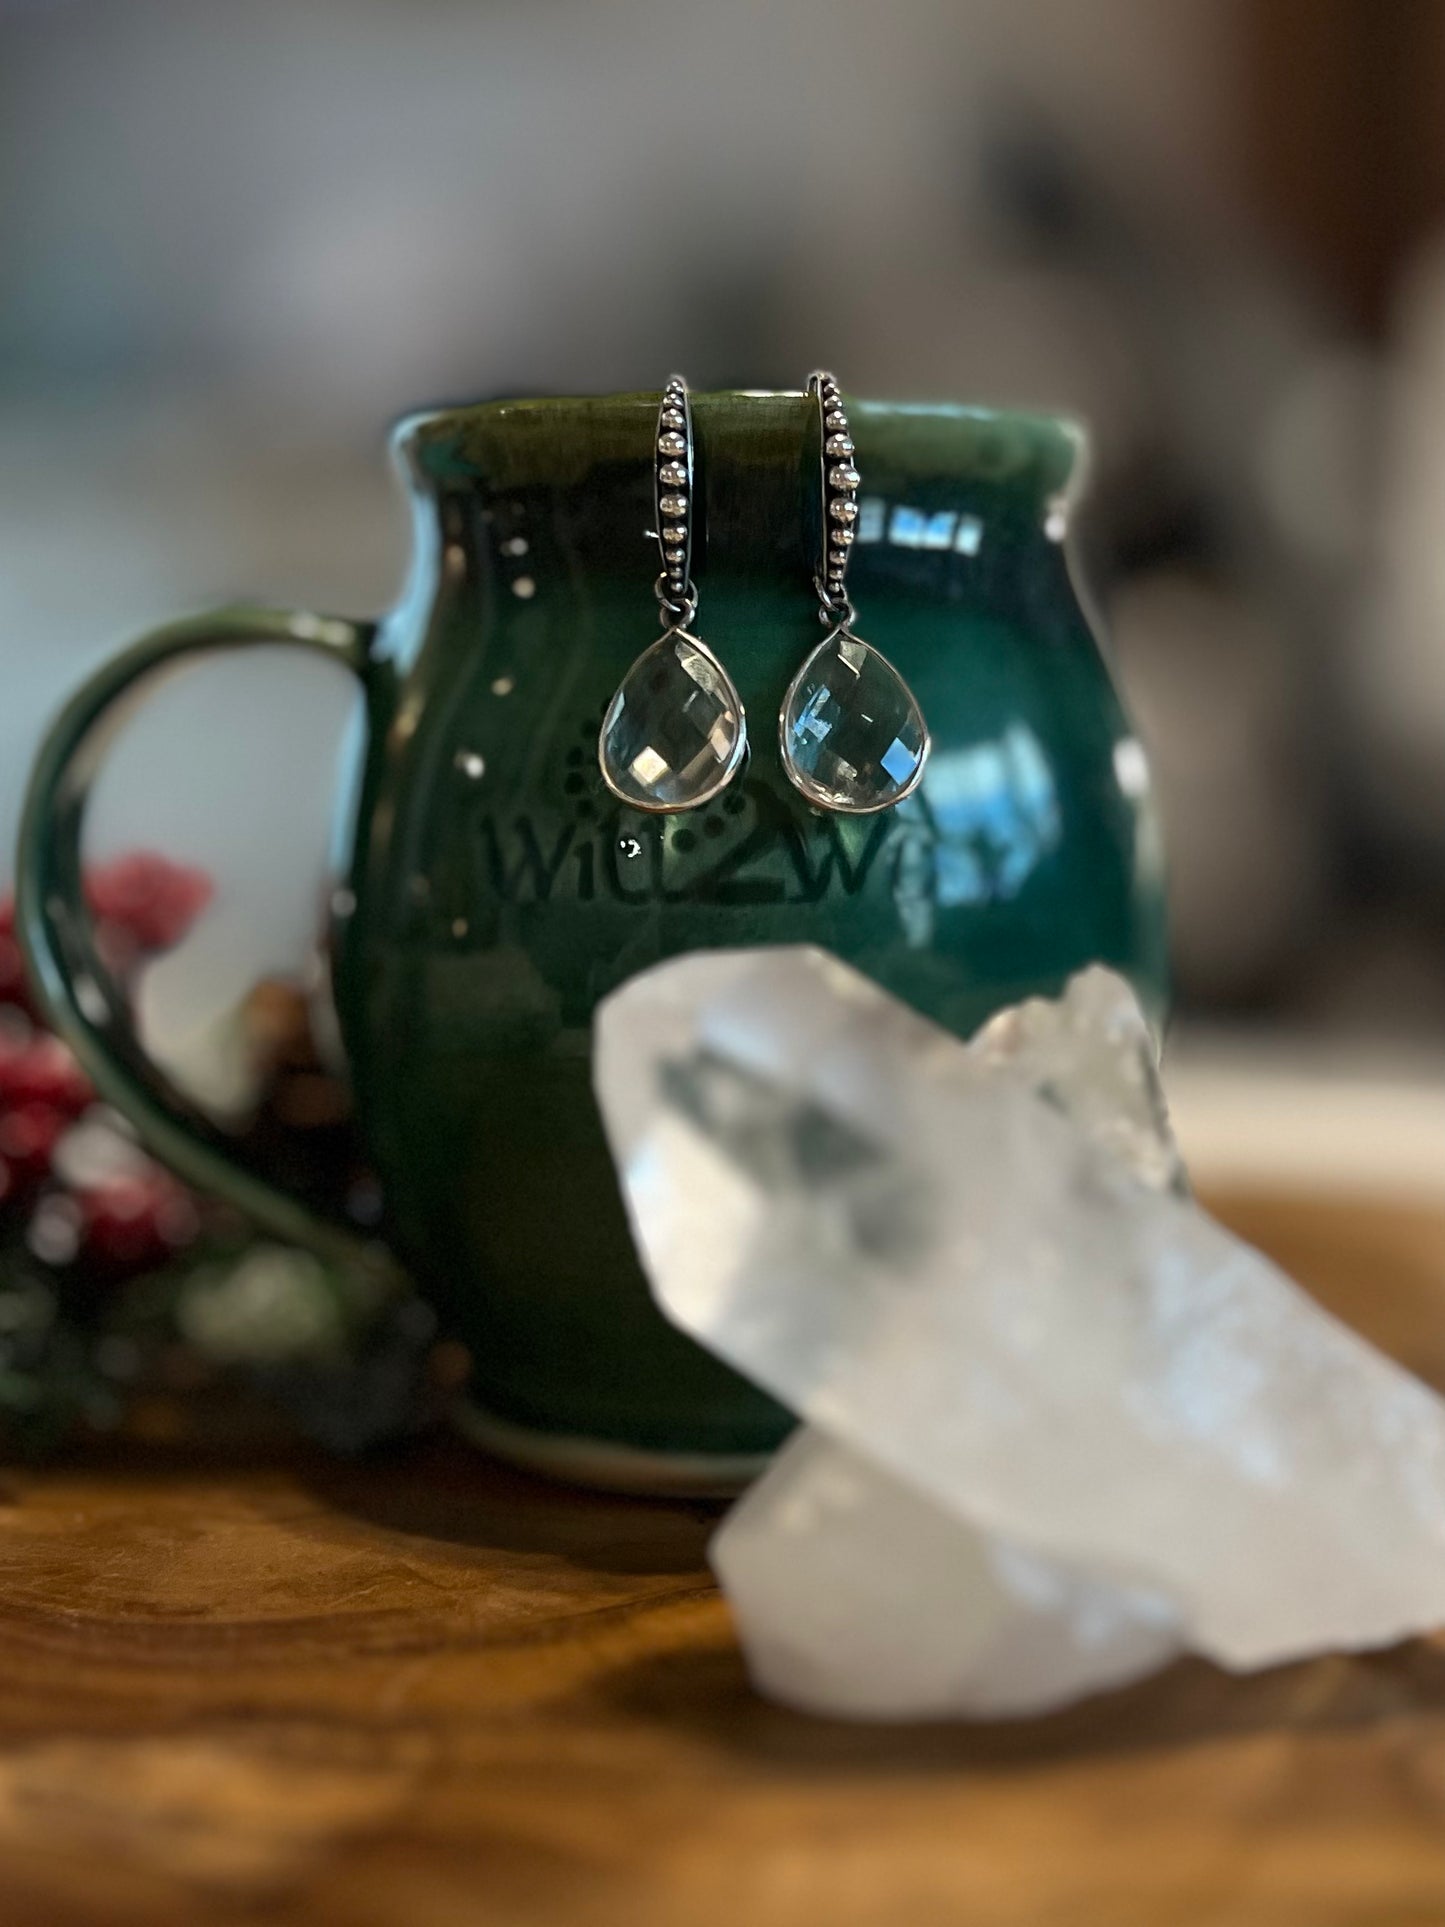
(1061, 1422)
(674, 732)
(853, 736)
(858, 1597)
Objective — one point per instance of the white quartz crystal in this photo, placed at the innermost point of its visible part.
(1059, 1422)
(857, 1596)
(1091, 1054)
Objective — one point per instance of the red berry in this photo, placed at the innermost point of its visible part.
(132, 1223)
(28, 1137)
(14, 988)
(152, 899)
(41, 1070)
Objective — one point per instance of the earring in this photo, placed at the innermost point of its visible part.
(675, 732)
(853, 737)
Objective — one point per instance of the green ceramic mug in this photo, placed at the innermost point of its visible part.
(496, 890)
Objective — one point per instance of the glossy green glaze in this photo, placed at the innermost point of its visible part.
(500, 891)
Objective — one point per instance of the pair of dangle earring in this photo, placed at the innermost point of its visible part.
(851, 734)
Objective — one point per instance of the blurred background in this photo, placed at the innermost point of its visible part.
(237, 242)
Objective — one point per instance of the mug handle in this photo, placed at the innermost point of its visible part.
(77, 992)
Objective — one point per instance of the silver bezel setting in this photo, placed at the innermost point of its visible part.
(726, 771)
(801, 781)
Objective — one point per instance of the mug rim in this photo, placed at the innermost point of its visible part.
(1056, 446)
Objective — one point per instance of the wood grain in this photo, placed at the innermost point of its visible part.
(237, 1680)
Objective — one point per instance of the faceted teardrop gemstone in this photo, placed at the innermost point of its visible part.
(675, 732)
(853, 736)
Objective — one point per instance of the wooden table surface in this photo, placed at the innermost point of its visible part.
(240, 1683)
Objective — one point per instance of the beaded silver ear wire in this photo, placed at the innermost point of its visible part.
(675, 732)
(852, 735)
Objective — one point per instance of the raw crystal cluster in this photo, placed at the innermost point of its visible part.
(1059, 1424)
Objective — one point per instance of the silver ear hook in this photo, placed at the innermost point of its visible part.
(674, 464)
(838, 480)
